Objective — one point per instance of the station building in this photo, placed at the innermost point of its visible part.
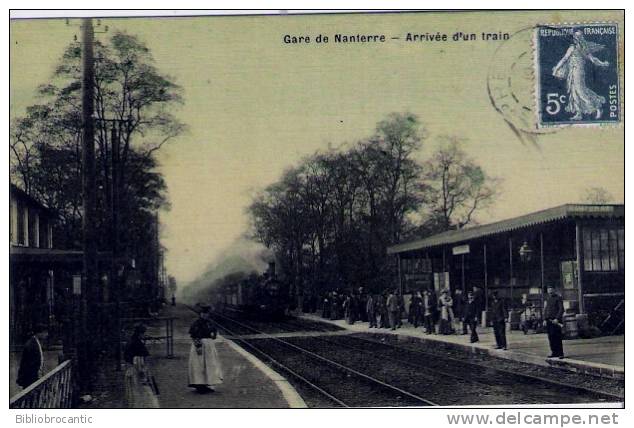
(578, 248)
(40, 276)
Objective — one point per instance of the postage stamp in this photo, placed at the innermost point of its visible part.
(577, 74)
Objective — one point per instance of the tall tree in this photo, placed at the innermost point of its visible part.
(133, 119)
(352, 204)
(458, 187)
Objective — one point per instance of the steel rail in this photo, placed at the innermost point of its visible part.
(286, 368)
(501, 371)
(603, 394)
(338, 365)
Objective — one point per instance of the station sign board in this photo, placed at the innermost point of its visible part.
(460, 249)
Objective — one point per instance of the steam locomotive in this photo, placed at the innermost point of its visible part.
(256, 296)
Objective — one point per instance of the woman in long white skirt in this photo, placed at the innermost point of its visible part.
(205, 370)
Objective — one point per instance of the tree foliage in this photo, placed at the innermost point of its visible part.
(133, 104)
(458, 187)
(596, 195)
(331, 218)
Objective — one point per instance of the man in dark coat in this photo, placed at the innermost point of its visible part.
(478, 298)
(499, 316)
(32, 359)
(370, 310)
(416, 309)
(382, 310)
(470, 317)
(553, 320)
(393, 309)
(458, 308)
(326, 305)
(401, 308)
(361, 305)
(429, 312)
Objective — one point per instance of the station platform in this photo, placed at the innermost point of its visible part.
(248, 383)
(600, 356)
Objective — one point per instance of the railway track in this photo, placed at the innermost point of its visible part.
(336, 383)
(448, 363)
(435, 376)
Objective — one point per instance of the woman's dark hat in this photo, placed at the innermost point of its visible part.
(202, 307)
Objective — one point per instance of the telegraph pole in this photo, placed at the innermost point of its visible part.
(90, 268)
(115, 273)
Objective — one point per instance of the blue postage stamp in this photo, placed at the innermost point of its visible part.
(577, 74)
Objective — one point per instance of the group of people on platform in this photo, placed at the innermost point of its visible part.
(449, 313)
(440, 314)
(385, 310)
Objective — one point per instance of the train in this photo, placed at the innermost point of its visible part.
(255, 296)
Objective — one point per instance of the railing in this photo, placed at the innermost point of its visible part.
(52, 391)
(168, 337)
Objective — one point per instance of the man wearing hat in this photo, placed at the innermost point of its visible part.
(392, 309)
(553, 321)
(499, 316)
(470, 316)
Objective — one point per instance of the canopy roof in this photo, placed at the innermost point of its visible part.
(567, 211)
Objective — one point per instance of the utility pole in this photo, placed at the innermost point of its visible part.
(90, 267)
(115, 273)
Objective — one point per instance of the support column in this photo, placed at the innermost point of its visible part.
(463, 284)
(541, 261)
(400, 279)
(486, 279)
(579, 251)
(511, 266)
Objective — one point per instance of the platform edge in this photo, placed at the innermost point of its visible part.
(292, 397)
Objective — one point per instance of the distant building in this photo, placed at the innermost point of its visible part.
(41, 276)
(580, 249)
(31, 221)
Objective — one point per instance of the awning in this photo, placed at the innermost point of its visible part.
(48, 255)
(528, 220)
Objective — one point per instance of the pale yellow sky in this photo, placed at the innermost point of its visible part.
(254, 106)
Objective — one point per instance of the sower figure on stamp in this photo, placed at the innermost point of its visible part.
(499, 316)
(205, 370)
(572, 67)
(553, 316)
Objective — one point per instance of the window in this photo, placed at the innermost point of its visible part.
(33, 235)
(604, 249)
(21, 232)
(621, 245)
(43, 232)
